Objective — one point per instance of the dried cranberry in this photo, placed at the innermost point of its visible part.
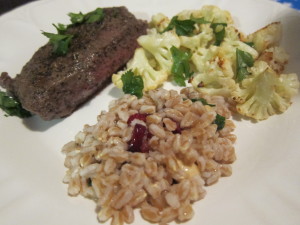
(139, 140)
(139, 116)
(145, 146)
(178, 129)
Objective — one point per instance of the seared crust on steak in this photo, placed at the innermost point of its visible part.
(54, 86)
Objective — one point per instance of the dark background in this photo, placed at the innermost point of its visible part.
(6, 5)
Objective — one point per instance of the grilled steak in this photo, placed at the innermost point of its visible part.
(54, 86)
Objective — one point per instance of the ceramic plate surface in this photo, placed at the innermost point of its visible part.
(264, 188)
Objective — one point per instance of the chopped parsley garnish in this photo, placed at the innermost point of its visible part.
(94, 16)
(76, 18)
(182, 27)
(251, 44)
(186, 27)
(203, 100)
(60, 42)
(219, 31)
(132, 84)
(243, 61)
(220, 121)
(12, 107)
(61, 28)
(91, 17)
(181, 67)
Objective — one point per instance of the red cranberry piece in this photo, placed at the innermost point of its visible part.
(145, 146)
(139, 140)
(139, 116)
(178, 129)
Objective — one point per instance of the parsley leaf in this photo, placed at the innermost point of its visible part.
(180, 68)
(91, 17)
(132, 84)
(61, 28)
(94, 16)
(60, 42)
(12, 107)
(182, 27)
(76, 18)
(220, 121)
(251, 44)
(203, 100)
(219, 31)
(243, 61)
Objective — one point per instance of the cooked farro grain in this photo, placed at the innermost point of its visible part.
(155, 153)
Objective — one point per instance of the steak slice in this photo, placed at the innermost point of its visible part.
(54, 86)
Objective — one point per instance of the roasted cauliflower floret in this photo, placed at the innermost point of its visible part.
(223, 57)
(228, 49)
(266, 37)
(276, 57)
(209, 12)
(207, 59)
(159, 22)
(216, 15)
(227, 55)
(289, 85)
(202, 58)
(159, 46)
(200, 40)
(153, 61)
(265, 93)
(234, 34)
(213, 82)
(140, 65)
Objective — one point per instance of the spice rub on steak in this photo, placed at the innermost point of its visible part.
(54, 86)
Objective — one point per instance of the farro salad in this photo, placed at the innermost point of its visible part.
(156, 154)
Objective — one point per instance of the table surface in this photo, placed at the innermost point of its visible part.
(6, 5)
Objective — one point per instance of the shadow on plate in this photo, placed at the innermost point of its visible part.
(238, 117)
(115, 92)
(35, 123)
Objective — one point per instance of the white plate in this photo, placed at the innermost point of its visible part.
(264, 187)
